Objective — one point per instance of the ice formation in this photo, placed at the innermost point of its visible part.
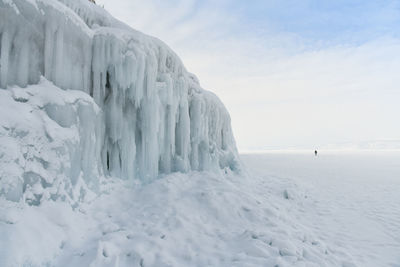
(50, 142)
(154, 118)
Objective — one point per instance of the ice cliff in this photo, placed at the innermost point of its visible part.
(146, 115)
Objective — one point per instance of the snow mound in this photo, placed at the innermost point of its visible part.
(154, 117)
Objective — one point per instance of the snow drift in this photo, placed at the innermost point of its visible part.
(149, 115)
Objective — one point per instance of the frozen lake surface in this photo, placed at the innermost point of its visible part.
(355, 198)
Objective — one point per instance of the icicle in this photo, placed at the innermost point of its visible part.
(155, 116)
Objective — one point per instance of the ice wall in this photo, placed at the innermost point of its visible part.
(157, 118)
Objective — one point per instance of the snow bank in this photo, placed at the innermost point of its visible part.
(155, 116)
(237, 222)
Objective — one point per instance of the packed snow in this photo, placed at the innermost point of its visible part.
(288, 210)
(352, 198)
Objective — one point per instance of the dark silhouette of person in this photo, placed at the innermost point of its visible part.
(315, 152)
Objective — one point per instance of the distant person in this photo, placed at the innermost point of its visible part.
(315, 152)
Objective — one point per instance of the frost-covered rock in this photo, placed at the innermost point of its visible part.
(153, 115)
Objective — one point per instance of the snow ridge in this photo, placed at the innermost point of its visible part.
(155, 118)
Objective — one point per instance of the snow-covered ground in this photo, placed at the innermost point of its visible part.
(353, 198)
(291, 209)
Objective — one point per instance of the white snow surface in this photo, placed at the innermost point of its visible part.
(352, 199)
(288, 210)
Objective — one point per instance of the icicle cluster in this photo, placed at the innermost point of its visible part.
(156, 117)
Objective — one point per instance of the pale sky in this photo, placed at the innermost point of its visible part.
(293, 74)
